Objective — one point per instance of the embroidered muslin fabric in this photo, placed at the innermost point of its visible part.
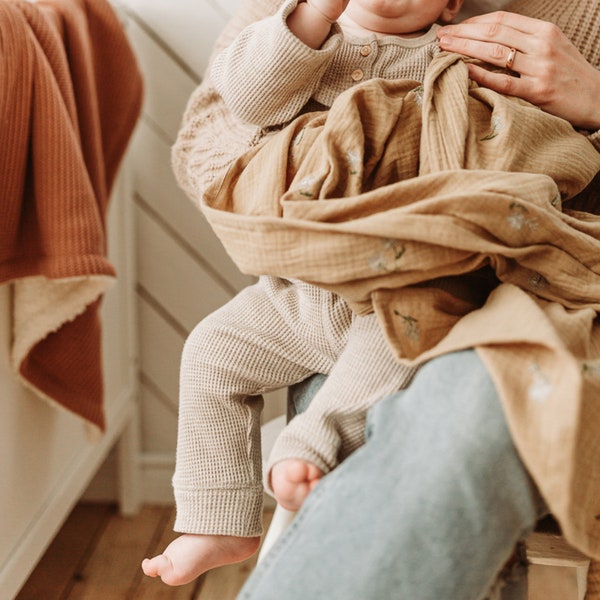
(399, 185)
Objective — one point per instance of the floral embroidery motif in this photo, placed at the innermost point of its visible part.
(306, 186)
(353, 160)
(411, 326)
(537, 282)
(497, 124)
(591, 370)
(298, 139)
(519, 217)
(388, 258)
(418, 95)
(541, 387)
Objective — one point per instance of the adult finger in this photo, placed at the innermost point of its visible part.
(502, 18)
(493, 45)
(490, 37)
(500, 55)
(502, 83)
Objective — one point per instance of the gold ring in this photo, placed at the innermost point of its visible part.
(510, 59)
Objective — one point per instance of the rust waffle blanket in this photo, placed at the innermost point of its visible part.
(70, 93)
(477, 251)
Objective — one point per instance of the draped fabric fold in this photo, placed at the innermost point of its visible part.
(444, 208)
(70, 95)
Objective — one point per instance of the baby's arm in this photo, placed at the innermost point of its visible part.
(333, 425)
(311, 21)
(268, 74)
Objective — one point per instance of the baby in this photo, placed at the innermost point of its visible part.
(278, 332)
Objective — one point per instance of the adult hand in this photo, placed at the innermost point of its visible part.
(548, 70)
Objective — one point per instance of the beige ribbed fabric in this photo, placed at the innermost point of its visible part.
(578, 19)
(333, 426)
(271, 335)
(267, 76)
(212, 137)
(366, 372)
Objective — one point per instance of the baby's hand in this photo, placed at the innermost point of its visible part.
(311, 20)
(292, 481)
(329, 9)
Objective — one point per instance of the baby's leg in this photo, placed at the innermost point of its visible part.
(292, 480)
(333, 425)
(188, 556)
(253, 344)
(244, 349)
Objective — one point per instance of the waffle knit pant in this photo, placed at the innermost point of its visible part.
(271, 335)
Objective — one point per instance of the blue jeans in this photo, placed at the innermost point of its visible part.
(430, 508)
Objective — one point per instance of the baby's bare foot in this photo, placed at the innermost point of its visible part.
(188, 556)
(292, 481)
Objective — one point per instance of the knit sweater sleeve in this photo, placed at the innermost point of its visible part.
(267, 74)
(333, 425)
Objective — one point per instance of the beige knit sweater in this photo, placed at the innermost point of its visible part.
(211, 136)
(267, 76)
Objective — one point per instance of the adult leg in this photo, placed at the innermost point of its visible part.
(430, 508)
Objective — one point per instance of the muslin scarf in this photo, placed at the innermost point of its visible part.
(416, 201)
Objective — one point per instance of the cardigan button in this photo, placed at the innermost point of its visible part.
(365, 50)
(357, 75)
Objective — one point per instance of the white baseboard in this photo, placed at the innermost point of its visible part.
(44, 525)
(156, 474)
(156, 471)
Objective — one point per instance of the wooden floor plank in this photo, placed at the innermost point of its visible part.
(112, 570)
(154, 589)
(225, 583)
(97, 556)
(67, 554)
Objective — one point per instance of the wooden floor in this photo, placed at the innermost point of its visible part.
(97, 556)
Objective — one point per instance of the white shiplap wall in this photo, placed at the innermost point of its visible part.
(182, 271)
